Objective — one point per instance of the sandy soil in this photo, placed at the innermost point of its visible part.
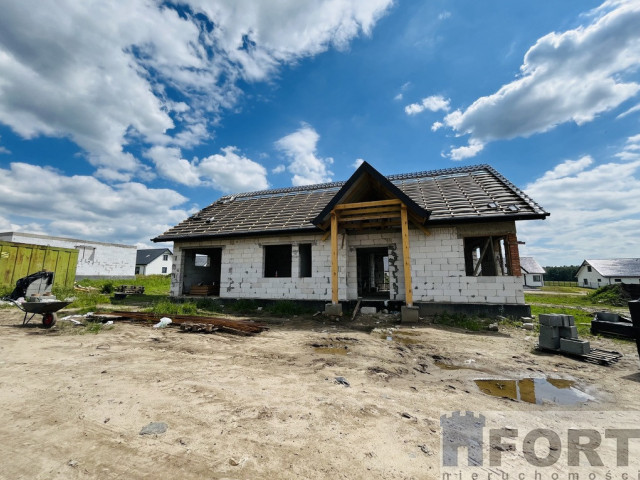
(267, 406)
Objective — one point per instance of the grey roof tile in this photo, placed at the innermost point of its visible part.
(463, 194)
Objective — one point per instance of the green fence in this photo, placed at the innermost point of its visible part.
(18, 260)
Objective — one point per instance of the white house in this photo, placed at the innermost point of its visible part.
(441, 240)
(598, 273)
(532, 272)
(95, 259)
(154, 261)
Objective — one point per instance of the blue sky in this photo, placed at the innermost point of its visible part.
(119, 119)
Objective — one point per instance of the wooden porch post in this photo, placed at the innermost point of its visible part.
(334, 258)
(406, 256)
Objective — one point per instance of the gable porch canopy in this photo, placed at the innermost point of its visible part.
(370, 200)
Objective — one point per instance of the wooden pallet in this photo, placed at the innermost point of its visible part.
(596, 355)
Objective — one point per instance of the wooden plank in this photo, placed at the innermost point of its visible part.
(360, 211)
(376, 203)
(355, 310)
(334, 258)
(406, 257)
(370, 217)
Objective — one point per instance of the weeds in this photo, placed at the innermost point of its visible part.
(460, 320)
(287, 308)
(167, 307)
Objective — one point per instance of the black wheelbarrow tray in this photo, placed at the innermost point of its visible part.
(46, 309)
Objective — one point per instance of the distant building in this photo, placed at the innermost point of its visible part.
(95, 259)
(532, 272)
(154, 261)
(598, 273)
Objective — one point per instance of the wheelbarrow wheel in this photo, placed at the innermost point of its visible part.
(49, 320)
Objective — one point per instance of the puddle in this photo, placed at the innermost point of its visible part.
(535, 390)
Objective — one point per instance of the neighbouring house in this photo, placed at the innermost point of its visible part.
(532, 272)
(437, 241)
(96, 260)
(598, 273)
(154, 261)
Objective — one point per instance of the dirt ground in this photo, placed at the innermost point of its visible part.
(267, 406)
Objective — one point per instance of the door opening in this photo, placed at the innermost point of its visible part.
(373, 272)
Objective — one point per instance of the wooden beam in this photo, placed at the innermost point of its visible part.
(377, 203)
(369, 217)
(406, 256)
(359, 211)
(326, 235)
(334, 258)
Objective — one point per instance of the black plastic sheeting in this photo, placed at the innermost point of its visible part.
(24, 282)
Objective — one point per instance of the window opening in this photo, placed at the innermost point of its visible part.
(487, 256)
(304, 258)
(277, 261)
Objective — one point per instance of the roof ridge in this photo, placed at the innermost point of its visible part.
(328, 185)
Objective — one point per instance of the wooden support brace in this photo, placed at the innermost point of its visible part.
(334, 258)
(406, 256)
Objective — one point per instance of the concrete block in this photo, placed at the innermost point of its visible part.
(368, 310)
(333, 309)
(409, 314)
(549, 337)
(551, 319)
(568, 321)
(575, 347)
(569, 332)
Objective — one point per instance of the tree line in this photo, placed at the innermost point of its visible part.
(566, 273)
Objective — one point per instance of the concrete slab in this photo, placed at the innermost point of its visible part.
(551, 319)
(333, 309)
(575, 347)
(368, 310)
(569, 332)
(549, 337)
(409, 314)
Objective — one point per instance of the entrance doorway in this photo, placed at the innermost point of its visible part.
(202, 270)
(373, 272)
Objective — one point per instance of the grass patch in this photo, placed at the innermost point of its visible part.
(243, 306)
(90, 328)
(460, 320)
(286, 308)
(610, 295)
(561, 300)
(153, 284)
(167, 307)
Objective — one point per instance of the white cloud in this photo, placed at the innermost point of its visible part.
(98, 72)
(279, 169)
(595, 212)
(230, 172)
(357, 163)
(300, 148)
(436, 126)
(227, 172)
(566, 77)
(82, 206)
(471, 150)
(433, 103)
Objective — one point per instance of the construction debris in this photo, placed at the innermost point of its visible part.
(192, 323)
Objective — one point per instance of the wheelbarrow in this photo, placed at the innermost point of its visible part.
(46, 309)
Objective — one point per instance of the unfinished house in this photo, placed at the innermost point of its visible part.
(436, 241)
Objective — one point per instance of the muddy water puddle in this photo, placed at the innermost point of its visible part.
(535, 390)
(406, 337)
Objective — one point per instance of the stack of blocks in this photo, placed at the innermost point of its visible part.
(558, 332)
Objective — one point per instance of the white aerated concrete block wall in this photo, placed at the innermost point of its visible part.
(242, 269)
(437, 268)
